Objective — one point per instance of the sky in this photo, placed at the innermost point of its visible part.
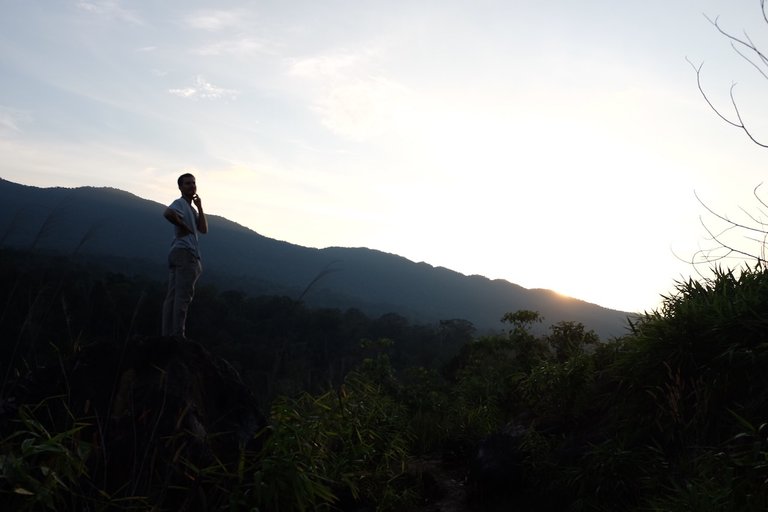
(560, 144)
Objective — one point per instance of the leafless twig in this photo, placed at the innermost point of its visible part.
(757, 234)
(746, 48)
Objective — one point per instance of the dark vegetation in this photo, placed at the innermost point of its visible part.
(368, 413)
(278, 345)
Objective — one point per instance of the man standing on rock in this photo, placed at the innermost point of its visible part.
(184, 258)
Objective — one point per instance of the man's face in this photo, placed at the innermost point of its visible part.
(188, 187)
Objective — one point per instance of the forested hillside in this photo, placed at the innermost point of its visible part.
(54, 306)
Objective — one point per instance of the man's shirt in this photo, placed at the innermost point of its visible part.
(187, 241)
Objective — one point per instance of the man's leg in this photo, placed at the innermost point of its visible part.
(168, 304)
(188, 270)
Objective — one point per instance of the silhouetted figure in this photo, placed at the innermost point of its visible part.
(184, 258)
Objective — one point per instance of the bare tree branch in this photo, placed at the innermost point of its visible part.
(762, 8)
(725, 234)
(704, 94)
(741, 121)
(753, 63)
(726, 219)
(753, 218)
(743, 47)
(747, 44)
(724, 249)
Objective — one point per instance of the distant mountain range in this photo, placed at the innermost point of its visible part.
(125, 232)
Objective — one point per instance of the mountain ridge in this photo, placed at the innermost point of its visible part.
(113, 224)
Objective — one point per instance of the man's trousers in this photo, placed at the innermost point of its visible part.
(185, 269)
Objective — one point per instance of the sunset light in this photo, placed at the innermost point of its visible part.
(552, 146)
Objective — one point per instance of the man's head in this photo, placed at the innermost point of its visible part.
(187, 185)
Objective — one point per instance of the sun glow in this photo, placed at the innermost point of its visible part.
(543, 190)
(560, 154)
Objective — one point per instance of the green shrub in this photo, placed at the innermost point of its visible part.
(352, 442)
(559, 389)
(41, 469)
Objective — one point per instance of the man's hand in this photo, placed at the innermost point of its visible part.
(198, 202)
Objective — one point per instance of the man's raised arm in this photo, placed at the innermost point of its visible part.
(202, 222)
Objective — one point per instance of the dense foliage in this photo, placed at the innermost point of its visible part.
(51, 305)
(672, 416)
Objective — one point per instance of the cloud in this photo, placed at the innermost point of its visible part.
(241, 46)
(362, 108)
(109, 9)
(239, 22)
(351, 95)
(216, 20)
(201, 89)
(324, 66)
(11, 120)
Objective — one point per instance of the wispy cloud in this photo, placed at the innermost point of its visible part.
(201, 89)
(352, 96)
(11, 120)
(239, 46)
(362, 108)
(239, 26)
(216, 20)
(324, 66)
(109, 9)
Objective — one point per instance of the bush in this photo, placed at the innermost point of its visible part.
(351, 445)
